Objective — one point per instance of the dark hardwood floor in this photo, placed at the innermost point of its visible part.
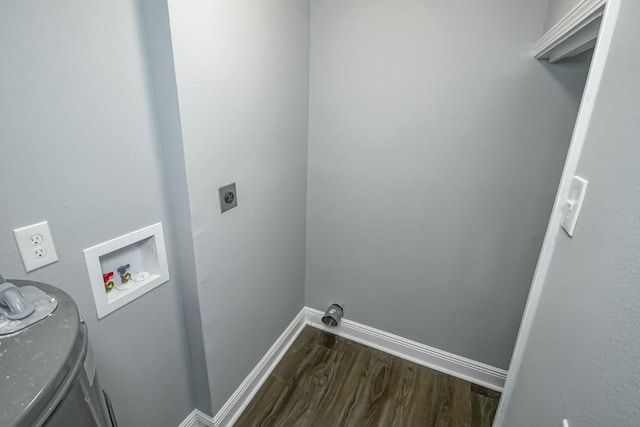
(326, 381)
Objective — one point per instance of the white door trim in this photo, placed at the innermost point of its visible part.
(553, 229)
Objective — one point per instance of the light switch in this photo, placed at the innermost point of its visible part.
(574, 204)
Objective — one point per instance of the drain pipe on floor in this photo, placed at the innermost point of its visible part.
(333, 315)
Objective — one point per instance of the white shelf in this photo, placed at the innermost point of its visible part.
(577, 32)
(144, 250)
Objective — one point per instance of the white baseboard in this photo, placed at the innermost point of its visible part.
(233, 408)
(452, 364)
(457, 366)
(197, 419)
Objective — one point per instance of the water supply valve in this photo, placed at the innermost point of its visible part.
(124, 274)
(108, 284)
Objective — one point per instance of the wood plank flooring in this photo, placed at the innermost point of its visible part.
(326, 381)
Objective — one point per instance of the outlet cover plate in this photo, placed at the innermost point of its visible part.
(35, 245)
(228, 197)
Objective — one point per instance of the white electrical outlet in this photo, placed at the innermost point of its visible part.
(36, 239)
(35, 245)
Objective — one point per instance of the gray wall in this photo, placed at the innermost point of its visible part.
(582, 360)
(558, 9)
(242, 79)
(78, 148)
(169, 134)
(436, 144)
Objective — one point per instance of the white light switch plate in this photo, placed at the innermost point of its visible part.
(35, 245)
(574, 204)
